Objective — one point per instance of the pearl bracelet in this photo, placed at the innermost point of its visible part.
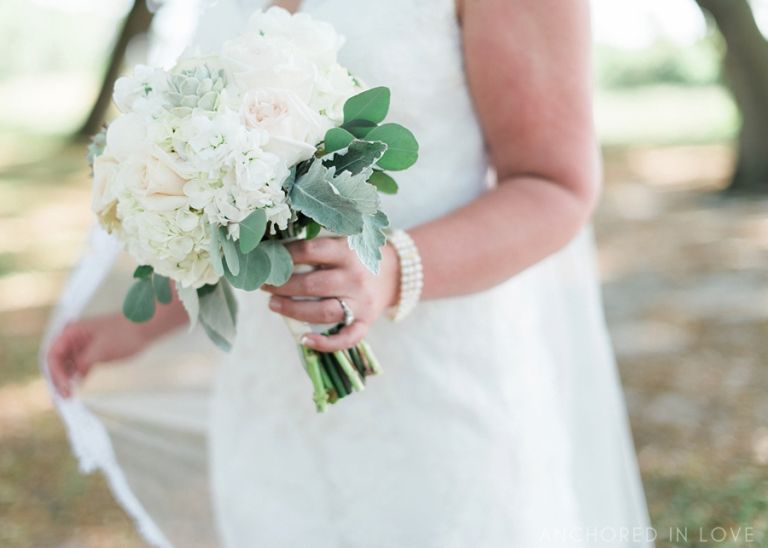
(411, 274)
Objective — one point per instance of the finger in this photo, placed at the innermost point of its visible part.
(319, 251)
(323, 311)
(346, 338)
(318, 283)
(58, 365)
(85, 360)
(59, 379)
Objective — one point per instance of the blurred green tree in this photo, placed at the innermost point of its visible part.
(136, 22)
(746, 73)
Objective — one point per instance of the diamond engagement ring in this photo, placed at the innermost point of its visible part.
(349, 316)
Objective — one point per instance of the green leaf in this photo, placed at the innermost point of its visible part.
(312, 230)
(402, 147)
(254, 270)
(139, 303)
(337, 138)
(143, 272)
(359, 128)
(281, 263)
(314, 196)
(189, 298)
(214, 251)
(218, 314)
(252, 229)
(359, 156)
(355, 189)
(162, 286)
(230, 298)
(231, 255)
(368, 244)
(371, 105)
(383, 182)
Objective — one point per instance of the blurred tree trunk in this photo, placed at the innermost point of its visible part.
(746, 72)
(136, 22)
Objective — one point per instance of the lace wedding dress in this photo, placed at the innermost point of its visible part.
(498, 422)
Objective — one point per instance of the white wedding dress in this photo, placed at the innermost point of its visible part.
(498, 422)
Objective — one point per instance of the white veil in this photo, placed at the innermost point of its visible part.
(144, 423)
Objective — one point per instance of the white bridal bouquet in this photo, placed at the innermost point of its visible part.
(213, 165)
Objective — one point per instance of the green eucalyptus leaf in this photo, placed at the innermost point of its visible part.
(402, 147)
(218, 314)
(281, 263)
(371, 105)
(143, 272)
(314, 196)
(139, 303)
(254, 270)
(191, 301)
(337, 138)
(383, 182)
(214, 251)
(368, 244)
(162, 286)
(229, 295)
(231, 256)
(359, 156)
(359, 128)
(252, 230)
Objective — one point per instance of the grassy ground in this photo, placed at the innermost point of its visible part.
(685, 289)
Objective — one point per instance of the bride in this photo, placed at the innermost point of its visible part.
(499, 420)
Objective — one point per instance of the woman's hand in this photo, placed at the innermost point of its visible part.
(340, 274)
(85, 343)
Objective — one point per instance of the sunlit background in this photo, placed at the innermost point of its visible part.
(683, 263)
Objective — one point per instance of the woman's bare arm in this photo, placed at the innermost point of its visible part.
(528, 66)
(529, 71)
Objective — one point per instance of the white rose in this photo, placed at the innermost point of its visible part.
(154, 181)
(254, 61)
(293, 128)
(318, 39)
(104, 194)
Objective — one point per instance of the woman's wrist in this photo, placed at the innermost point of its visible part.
(410, 275)
(390, 276)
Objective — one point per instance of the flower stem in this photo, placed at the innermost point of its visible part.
(357, 361)
(312, 363)
(372, 361)
(352, 374)
(329, 388)
(333, 373)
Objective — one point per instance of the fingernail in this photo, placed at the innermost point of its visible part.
(275, 304)
(305, 340)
